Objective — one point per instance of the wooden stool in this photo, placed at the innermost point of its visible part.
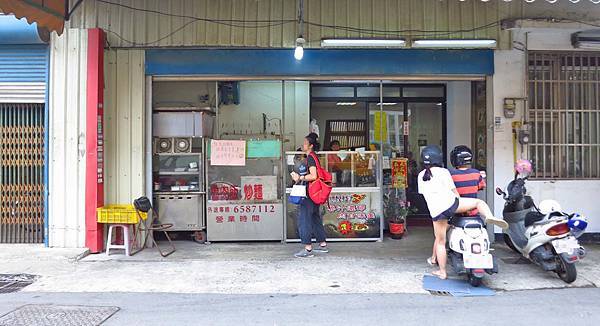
(126, 244)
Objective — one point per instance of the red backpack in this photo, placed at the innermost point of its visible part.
(320, 189)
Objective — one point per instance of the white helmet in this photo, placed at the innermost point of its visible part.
(548, 206)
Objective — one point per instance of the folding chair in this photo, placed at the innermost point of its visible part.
(143, 204)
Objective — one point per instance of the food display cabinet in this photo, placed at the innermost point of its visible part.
(179, 182)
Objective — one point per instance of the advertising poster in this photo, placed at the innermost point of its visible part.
(399, 173)
(348, 215)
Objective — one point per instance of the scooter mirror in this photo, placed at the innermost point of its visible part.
(499, 191)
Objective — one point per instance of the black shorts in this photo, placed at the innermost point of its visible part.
(447, 214)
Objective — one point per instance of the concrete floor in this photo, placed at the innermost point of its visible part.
(391, 266)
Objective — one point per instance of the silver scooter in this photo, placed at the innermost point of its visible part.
(544, 236)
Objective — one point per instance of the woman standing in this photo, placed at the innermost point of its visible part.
(309, 220)
(443, 201)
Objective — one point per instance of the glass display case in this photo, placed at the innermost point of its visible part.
(355, 207)
(245, 202)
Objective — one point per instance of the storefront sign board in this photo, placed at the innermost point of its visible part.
(241, 221)
(259, 187)
(227, 152)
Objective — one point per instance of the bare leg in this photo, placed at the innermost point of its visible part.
(467, 204)
(439, 229)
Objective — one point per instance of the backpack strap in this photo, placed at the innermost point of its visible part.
(314, 156)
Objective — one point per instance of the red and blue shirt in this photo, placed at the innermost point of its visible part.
(468, 182)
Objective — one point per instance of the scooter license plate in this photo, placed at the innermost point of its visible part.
(565, 245)
(484, 261)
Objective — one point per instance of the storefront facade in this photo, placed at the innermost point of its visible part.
(468, 76)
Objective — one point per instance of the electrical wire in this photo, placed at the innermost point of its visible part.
(238, 23)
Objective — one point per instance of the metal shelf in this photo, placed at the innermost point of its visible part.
(178, 173)
(178, 154)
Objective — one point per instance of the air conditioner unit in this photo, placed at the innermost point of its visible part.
(183, 144)
(589, 39)
(163, 145)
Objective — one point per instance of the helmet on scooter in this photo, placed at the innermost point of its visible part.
(432, 155)
(577, 223)
(523, 167)
(461, 155)
(548, 206)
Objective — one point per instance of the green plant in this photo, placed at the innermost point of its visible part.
(400, 210)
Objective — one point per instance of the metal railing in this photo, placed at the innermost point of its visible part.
(21, 173)
(564, 114)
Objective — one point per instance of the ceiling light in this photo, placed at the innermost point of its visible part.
(387, 103)
(363, 43)
(299, 51)
(345, 103)
(454, 44)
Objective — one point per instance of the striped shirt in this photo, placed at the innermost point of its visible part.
(468, 182)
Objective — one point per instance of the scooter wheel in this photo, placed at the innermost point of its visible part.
(474, 280)
(566, 271)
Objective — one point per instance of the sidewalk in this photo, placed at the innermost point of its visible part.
(392, 266)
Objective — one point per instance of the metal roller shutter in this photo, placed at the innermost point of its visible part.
(23, 71)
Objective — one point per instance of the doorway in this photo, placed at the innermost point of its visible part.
(399, 119)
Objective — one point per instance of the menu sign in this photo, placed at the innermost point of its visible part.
(228, 152)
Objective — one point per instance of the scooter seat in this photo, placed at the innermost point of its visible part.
(462, 221)
(533, 217)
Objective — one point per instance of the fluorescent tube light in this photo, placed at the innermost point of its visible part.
(386, 103)
(346, 103)
(454, 44)
(363, 43)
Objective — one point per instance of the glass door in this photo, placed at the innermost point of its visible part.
(425, 126)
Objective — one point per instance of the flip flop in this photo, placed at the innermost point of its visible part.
(431, 262)
(498, 222)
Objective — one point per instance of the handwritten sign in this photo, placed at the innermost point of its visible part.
(227, 152)
(399, 172)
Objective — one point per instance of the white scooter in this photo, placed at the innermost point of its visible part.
(469, 248)
(545, 235)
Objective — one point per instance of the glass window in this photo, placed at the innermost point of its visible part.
(368, 91)
(332, 91)
(425, 91)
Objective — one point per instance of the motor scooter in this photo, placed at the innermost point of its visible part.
(469, 248)
(546, 236)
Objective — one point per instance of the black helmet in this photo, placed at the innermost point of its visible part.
(432, 155)
(461, 155)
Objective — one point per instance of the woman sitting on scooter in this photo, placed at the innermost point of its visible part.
(443, 201)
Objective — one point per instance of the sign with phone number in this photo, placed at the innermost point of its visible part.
(254, 213)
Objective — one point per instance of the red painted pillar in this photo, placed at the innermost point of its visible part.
(94, 174)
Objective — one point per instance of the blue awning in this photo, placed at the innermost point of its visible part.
(318, 62)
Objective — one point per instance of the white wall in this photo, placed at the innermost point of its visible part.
(574, 195)
(67, 147)
(458, 113)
